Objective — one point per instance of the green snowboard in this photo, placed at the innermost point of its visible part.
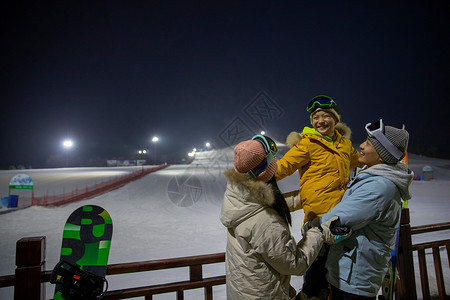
(84, 254)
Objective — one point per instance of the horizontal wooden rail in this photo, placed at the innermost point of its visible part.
(195, 274)
(434, 244)
(430, 228)
(161, 264)
(7, 280)
(166, 288)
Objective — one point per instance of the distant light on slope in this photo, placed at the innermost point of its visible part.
(68, 144)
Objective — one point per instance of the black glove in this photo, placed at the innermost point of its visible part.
(334, 233)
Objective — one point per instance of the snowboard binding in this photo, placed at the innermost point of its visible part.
(77, 283)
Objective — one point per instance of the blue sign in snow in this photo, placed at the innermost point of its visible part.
(21, 181)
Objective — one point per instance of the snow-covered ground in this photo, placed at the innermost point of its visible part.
(49, 181)
(175, 212)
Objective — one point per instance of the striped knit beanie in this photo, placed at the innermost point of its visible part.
(398, 137)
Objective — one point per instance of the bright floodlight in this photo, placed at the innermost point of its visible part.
(67, 144)
(142, 151)
(263, 132)
(155, 139)
(208, 144)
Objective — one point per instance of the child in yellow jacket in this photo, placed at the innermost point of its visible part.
(323, 156)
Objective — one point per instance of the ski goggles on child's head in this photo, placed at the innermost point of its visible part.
(270, 148)
(268, 144)
(376, 130)
(323, 102)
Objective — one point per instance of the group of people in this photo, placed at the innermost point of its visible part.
(349, 227)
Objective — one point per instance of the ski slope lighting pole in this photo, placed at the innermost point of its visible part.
(67, 144)
(155, 140)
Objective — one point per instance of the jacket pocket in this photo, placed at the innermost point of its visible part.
(341, 261)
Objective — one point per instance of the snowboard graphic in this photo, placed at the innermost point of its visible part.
(80, 273)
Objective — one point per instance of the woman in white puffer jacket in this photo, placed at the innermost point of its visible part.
(261, 254)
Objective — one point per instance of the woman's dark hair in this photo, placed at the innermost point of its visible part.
(280, 204)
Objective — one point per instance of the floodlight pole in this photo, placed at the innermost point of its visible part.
(155, 139)
(67, 145)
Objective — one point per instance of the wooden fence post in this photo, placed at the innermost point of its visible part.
(406, 287)
(30, 261)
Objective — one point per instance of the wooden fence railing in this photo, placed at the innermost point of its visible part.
(30, 275)
(406, 287)
(196, 280)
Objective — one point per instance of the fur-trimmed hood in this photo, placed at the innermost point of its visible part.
(244, 197)
(295, 137)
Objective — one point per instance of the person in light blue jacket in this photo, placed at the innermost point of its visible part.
(371, 206)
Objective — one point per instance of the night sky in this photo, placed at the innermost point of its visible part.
(112, 74)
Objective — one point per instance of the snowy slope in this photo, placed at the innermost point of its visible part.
(174, 212)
